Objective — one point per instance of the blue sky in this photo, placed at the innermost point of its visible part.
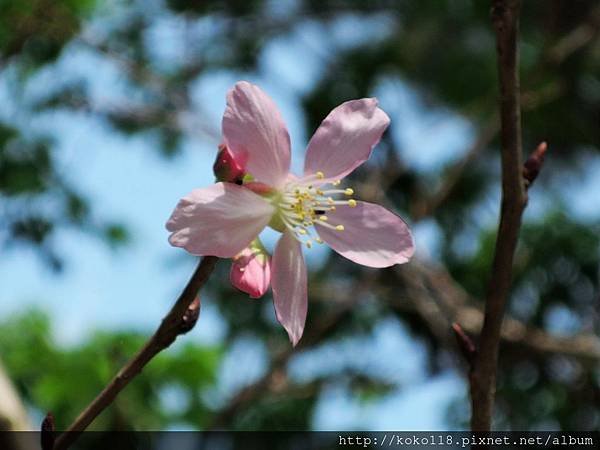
(127, 180)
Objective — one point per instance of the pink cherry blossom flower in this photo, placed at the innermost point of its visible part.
(223, 219)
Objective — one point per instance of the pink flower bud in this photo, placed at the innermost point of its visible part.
(251, 270)
(227, 168)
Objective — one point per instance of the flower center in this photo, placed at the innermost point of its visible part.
(304, 205)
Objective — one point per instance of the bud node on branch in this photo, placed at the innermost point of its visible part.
(190, 317)
(534, 163)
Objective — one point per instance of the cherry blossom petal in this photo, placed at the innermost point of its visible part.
(289, 284)
(256, 134)
(345, 139)
(219, 220)
(251, 272)
(372, 235)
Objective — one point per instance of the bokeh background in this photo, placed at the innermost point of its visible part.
(110, 112)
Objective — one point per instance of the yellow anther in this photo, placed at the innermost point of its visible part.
(339, 227)
(320, 175)
(349, 191)
(308, 244)
(330, 200)
(336, 182)
(333, 208)
(302, 231)
(323, 218)
(352, 203)
(320, 192)
(319, 240)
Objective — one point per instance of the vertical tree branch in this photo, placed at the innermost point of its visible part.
(505, 18)
(180, 319)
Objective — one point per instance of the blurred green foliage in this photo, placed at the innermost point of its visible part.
(64, 379)
(444, 51)
(35, 31)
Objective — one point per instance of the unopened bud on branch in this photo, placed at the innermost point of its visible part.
(227, 168)
(532, 166)
(251, 270)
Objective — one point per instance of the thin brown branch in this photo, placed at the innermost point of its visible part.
(466, 345)
(577, 38)
(430, 204)
(439, 300)
(505, 17)
(554, 56)
(175, 112)
(179, 320)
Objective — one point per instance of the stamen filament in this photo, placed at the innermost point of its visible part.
(332, 227)
(303, 204)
